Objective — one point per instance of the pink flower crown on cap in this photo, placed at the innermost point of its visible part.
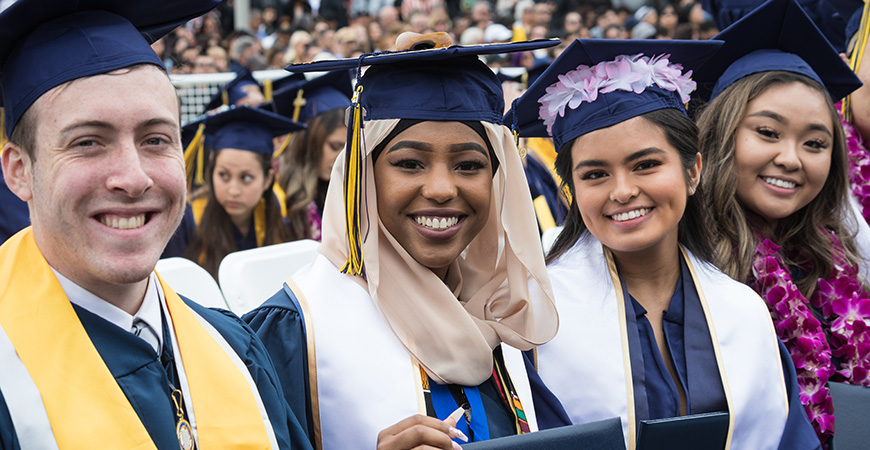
(625, 73)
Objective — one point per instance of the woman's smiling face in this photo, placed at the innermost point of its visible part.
(631, 187)
(434, 189)
(783, 150)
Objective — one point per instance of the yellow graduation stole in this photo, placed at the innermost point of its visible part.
(84, 404)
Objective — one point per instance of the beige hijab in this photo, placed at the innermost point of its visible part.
(453, 340)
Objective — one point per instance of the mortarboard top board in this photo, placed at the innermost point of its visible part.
(603, 109)
(778, 35)
(329, 91)
(244, 128)
(433, 84)
(233, 91)
(827, 15)
(45, 43)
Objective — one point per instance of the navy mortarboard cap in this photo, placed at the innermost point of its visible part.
(305, 99)
(597, 83)
(776, 36)
(854, 23)
(45, 43)
(827, 15)
(233, 91)
(244, 128)
(433, 84)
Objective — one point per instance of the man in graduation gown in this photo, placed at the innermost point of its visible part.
(96, 351)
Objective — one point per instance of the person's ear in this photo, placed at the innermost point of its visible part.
(16, 171)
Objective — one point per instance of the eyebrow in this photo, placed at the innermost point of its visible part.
(636, 155)
(108, 126)
(784, 121)
(428, 147)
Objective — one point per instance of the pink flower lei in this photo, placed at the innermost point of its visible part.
(625, 73)
(859, 167)
(845, 308)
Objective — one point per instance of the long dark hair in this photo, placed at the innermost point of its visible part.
(693, 232)
(804, 235)
(300, 167)
(214, 232)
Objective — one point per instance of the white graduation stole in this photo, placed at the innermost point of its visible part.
(362, 379)
(587, 364)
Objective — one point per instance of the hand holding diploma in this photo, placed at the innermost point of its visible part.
(422, 432)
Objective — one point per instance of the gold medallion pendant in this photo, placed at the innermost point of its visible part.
(182, 429)
(185, 435)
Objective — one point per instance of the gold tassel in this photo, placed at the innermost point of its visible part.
(225, 97)
(194, 153)
(298, 103)
(3, 138)
(280, 151)
(267, 90)
(353, 190)
(855, 59)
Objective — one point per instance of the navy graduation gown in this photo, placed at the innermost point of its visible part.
(14, 215)
(691, 351)
(279, 324)
(541, 182)
(177, 244)
(143, 379)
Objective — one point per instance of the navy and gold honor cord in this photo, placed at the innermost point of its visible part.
(856, 57)
(353, 187)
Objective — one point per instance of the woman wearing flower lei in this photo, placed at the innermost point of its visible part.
(777, 155)
(650, 328)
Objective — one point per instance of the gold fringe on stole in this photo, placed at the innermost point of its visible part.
(717, 350)
(312, 362)
(353, 180)
(626, 356)
(855, 59)
(194, 157)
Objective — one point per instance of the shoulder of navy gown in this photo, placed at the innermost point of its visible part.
(14, 215)
(8, 439)
(288, 431)
(278, 323)
(548, 409)
(182, 236)
(798, 433)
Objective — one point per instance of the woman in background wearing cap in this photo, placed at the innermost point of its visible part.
(419, 306)
(776, 154)
(241, 212)
(307, 163)
(650, 328)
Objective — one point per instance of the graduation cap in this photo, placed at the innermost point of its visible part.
(776, 36)
(446, 83)
(827, 15)
(234, 91)
(45, 43)
(304, 99)
(597, 83)
(240, 128)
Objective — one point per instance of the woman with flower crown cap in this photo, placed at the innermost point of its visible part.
(777, 155)
(416, 308)
(650, 328)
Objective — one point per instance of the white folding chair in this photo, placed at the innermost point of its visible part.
(187, 278)
(249, 277)
(548, 238)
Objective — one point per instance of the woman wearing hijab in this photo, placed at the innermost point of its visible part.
(419, 300)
